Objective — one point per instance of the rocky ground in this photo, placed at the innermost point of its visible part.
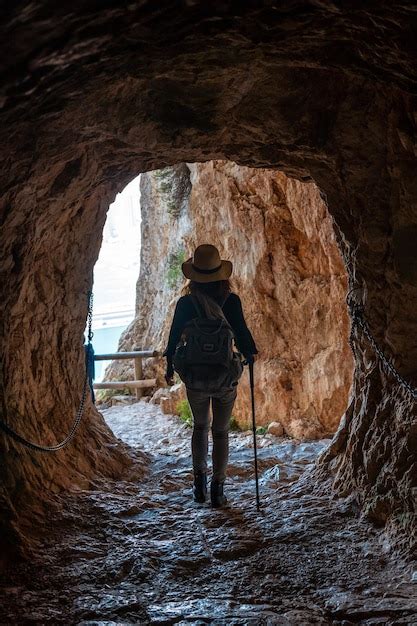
(145, 553)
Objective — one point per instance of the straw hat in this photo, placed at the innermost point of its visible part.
(206, 266)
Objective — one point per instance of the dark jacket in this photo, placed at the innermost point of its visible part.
(232, 309)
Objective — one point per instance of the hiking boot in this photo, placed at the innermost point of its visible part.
(200, 487)
(218, 498)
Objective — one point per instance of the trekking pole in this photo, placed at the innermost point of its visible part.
(258, 505)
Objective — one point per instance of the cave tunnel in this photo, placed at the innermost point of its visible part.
(94, 94)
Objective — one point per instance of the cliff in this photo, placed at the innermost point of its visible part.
(287, 271)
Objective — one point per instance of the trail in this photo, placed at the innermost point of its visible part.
(142, 552)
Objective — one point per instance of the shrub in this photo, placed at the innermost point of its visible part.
(103, 395)
(165, 187)
(161, 174)
(172, 207)
(170, 189)
(184, 412)
(233, 424)
(174, 273)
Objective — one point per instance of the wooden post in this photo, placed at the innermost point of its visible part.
(139, 383)
(138, 375)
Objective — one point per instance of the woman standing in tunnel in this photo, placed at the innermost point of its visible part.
(208, 293)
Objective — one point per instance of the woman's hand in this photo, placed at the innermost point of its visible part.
(169, 378)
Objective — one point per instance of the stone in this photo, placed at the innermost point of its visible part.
(168, 398)
(169, 403)
(287, 270)
(158, 394)
(276, 429)
(122, 400)
(91, 96)
(144, 552)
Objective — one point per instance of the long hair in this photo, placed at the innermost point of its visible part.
(211, 296)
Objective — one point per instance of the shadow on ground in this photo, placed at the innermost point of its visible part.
(130, 553)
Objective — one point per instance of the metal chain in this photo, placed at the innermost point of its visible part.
(90, 334)
(358, 320)
(34, 446)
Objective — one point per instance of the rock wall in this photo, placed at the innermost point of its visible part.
(165, 221)
(289, 273)
(42, 370)
(287, 270)
(91, 95)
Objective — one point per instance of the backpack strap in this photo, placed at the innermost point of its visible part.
(197, 307)
(222, 320)
(206, 332)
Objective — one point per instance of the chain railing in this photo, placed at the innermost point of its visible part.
(358, 320)
(40, 448)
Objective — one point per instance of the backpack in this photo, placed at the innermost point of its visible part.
(205, 358)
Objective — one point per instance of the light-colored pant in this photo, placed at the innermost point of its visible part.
(222, 404)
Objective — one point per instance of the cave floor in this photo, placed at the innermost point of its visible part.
(142, 552)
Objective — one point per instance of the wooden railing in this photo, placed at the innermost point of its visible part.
(138, 383)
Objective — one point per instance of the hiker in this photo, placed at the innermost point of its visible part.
(208, 294)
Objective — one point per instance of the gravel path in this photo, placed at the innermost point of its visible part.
(143, 552)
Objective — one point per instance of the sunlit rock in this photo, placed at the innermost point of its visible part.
(276, 429)
(287, 271)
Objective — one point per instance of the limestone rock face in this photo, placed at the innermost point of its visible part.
(92, 94)
(287, 270)
(165, 221)
(290, 277)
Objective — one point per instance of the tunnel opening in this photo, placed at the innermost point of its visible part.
(288, 270)
(115, 274)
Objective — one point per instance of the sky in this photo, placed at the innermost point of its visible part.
(117, 268)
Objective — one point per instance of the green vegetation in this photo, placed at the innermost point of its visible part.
(164, 181)
(162, 174)
(174, 273)
(172, 207)
(167, 186)
(184, 412)
(233, 424)
(261, 430)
